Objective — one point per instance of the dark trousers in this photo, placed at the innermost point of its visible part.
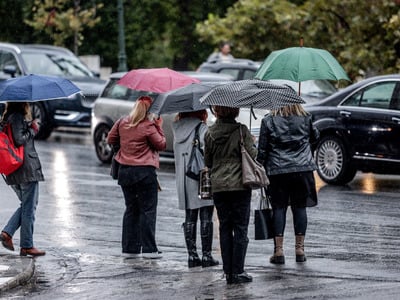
(139, 221)
(299, 220)
(233, 210)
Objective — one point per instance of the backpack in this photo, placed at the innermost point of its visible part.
(11, 157)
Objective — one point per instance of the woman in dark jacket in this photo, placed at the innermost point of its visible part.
(140, 138)
(222, 156)
(284, 148)
(25, 180)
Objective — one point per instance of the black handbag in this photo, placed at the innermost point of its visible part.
(196, 158)
(114, 164)
(263, 222)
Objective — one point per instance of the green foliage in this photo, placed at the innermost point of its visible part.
(63, 20)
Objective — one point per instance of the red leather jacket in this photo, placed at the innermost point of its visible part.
(139, 145)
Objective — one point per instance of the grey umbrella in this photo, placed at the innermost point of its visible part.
(252, 93)
(183, 99)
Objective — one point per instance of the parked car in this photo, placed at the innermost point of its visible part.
(116, 101)
(18, 60)
(240, 69)
(360, 130)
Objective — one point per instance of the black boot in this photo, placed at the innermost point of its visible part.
(190, 232)
(206, 242)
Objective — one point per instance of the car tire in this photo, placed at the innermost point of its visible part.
(103, 149)
(39, 113)
(333, 162)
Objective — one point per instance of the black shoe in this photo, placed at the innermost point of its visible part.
(228, 278)
(194, 261)
(241, 278)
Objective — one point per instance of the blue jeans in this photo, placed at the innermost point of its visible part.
(24, 216)
(233, 210)
(139, 221)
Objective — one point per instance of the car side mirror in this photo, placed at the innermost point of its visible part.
(11, 70)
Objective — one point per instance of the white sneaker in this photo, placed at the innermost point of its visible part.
(152, 255)
(131, 255)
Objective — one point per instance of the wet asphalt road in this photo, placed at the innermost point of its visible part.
(352, 243)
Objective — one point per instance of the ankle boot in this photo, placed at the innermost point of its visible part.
(190, 232)
(278, 257)
(206, 242)
(300, 257)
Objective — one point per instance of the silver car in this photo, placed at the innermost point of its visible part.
(116, 101)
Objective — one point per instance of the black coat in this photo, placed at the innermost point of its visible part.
(285, 144)
(23, 134)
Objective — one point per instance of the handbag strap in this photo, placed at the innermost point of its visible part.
(241, 135)
(196, 139)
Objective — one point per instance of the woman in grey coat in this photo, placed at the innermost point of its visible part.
(184, 127)
(25, 180)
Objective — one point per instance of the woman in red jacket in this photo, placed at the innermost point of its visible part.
(140, 138)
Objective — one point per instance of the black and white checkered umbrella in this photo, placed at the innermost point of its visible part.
(252, 93)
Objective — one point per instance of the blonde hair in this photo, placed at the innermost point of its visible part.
(289, 110)
(139, 111)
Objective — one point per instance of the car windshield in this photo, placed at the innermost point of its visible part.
(56, 65)
(314, 88)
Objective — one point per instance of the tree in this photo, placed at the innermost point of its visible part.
(63, 22)
(363, 35)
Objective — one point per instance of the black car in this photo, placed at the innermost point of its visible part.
(240, 69)
(360, 130)
(18, 60)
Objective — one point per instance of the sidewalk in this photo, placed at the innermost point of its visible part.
(14, 270)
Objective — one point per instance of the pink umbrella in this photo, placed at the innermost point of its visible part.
(157, 80)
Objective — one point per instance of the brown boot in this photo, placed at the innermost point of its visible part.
(6, 241)
(278, 257)
(300, 257)
(31, 252)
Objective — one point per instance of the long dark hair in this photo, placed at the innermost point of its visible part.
(17, 107)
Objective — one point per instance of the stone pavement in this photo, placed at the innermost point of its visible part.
(14, 270)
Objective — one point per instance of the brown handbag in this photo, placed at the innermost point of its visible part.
(253, 173)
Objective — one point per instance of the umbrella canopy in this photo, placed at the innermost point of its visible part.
(31, 88)
(300, 64)
(157, 80)
(183, 99)
(252, 93)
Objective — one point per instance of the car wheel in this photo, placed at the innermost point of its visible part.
(39, 113)
(103, 149)
(333, 163)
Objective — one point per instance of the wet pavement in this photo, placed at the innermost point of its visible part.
(352, 244)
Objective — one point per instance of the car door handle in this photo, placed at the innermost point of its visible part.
(397, 120)
(346, 114)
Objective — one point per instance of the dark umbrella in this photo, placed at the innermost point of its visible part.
(31, 88)
(182, 100)
(252, 93)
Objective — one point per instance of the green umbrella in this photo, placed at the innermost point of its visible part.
(300, 64)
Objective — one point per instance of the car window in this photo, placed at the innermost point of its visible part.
(56, 65)
(232, 72)
(8, 59)
(248, 74)
(377, 95)
(116, 91)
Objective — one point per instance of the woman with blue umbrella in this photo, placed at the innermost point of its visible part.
(25, 180)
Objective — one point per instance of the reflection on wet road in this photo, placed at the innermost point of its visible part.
(352, 243)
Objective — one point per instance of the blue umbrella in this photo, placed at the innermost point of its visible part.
(31, 88)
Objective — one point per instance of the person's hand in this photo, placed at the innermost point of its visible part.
(158, 121)
(35, 125)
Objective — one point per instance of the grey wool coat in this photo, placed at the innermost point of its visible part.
(187, 188)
